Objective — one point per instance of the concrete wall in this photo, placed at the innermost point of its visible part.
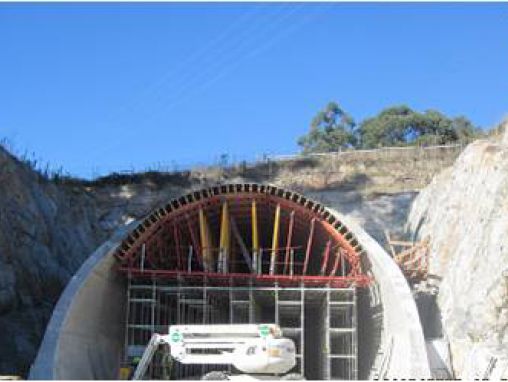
(403, 344)
(84, 338)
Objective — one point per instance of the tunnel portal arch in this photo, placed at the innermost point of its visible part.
(88, 332)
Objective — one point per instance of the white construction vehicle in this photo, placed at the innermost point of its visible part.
(252, 349)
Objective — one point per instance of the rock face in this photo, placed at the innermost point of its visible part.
(503, 127)
(45, 234)
(376, 214)
(464, 212)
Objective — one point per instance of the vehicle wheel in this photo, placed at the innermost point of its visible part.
(215, 376)
(292, 377)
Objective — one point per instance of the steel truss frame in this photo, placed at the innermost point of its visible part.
(176, 240)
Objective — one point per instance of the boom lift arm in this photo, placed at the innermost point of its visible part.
(146, 359)
(252, 349)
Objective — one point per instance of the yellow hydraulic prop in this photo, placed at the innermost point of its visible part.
(255, 237)
(206, 244)
(275, 240)
(225, 240)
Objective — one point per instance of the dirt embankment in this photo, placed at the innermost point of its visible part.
(48, 229)
(375, 187)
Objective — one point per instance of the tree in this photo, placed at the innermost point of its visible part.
(388, 128)
(400, 125)
(465, 130)
(331, 129)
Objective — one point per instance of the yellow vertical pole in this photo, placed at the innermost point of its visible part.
(275, 239)
(206, 246)
(225, 239)
(255, 237)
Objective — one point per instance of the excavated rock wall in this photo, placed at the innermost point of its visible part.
(45, 235)
(464, 212)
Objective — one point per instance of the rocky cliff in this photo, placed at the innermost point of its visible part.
(464, 213)
(45, 234)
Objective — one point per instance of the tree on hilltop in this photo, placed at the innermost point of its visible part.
(400, 126)
(331, 129)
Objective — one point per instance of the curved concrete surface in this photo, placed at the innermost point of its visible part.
(84, 337)
(404, 343)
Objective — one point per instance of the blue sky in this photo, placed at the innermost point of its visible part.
(103, 87)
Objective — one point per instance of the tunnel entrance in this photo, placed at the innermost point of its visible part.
(245, 253)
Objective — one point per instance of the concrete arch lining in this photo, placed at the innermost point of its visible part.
(84, 337)
(403, 342)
